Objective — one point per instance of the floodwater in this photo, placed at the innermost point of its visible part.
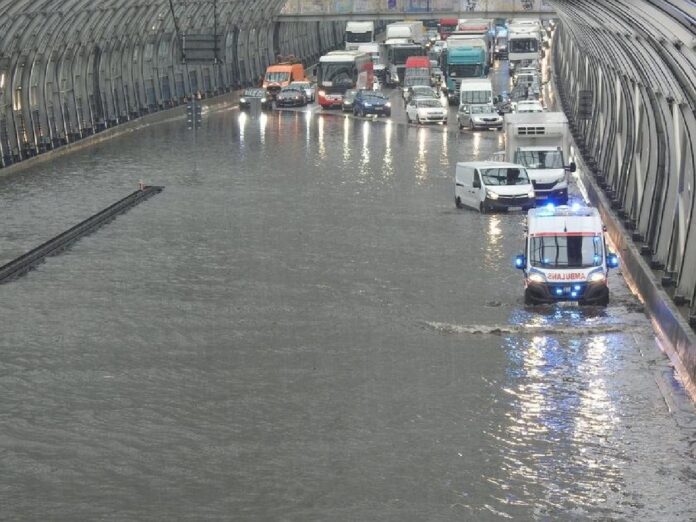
(303, 327)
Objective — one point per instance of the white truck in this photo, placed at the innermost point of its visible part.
(358, 33)
(541, 142)
(404, 32)
(524, 45)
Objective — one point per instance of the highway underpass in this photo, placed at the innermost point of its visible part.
(302, 326)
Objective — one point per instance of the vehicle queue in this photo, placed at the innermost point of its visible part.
(430, 69)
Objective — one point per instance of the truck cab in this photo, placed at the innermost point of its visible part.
(565, 256)
(462, 63)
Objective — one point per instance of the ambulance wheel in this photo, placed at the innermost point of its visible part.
(458, 202)
(528, 299)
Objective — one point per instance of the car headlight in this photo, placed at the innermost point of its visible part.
(263, 100)
(242, 100)
(596, 277)
(531, 194)
(464, 110)
(491, 195)
(322, 93)
(560, 180)
(387, 105)
(368, 105)
(536, 277)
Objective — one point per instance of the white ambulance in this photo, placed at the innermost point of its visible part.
(566, 256)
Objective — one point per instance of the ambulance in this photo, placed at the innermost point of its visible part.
(565, 256)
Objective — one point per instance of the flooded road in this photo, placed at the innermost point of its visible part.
(303, 327)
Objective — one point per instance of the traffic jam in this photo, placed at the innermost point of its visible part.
(443, 73)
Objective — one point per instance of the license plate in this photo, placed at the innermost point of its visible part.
(568, 303)
(514, 208)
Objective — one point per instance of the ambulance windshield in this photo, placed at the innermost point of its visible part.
(566, 251)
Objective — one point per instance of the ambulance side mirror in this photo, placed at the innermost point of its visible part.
(572, 167)
(521, 261)
(612, 261)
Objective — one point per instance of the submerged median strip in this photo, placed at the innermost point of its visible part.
(26, 262)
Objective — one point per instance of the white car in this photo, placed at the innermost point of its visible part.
(483, 116)
(528, 106)
(426, 110)
(307, 87)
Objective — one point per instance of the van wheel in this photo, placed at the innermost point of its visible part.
(458, 202)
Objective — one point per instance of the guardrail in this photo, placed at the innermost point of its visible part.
(26, 262)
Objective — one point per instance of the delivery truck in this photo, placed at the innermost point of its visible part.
(541, 142)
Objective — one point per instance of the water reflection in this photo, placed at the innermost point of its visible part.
(242, 129)
(387, 169)
(263, 121)
(365, 156)
(560, 412)
(421, 162)
(346, 140)
(320, 139)
(493, 257)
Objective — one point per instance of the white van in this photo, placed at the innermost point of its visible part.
(476, 92)
(566, 256)
(473, 91)
(492, 185)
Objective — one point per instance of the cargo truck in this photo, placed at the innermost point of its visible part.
(358, 33)
(461, 63)
(540, 141)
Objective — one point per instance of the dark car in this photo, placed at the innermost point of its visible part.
(348, 99)
(253, 96)
(291, 97)
(371, 102)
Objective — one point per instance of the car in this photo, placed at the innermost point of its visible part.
(426, 110)
(371, 102)
(255, 95)
(348, 99)
(308, 87)
(479, 116)
(291, 97)
(420, 91)
(528, 106)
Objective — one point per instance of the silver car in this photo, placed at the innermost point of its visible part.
(307, 87)
(479, 117)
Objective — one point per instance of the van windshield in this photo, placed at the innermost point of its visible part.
(277, 76)
(505, 176)
(476, 96)
(566, 251)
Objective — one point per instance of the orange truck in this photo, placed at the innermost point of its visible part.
(281, 74)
